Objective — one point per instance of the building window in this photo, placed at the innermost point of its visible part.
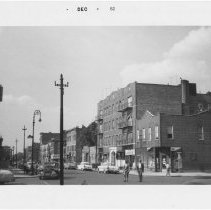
(170, 132)
(129, 100)
(113, 124)
(138, 135)
(143, 134)
(201, 133)
(156, 132)
(150, 134)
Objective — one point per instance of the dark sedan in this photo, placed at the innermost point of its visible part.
(49, 172)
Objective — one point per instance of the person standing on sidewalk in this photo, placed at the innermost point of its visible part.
(168, 169)
(140, 169)
(126, 171)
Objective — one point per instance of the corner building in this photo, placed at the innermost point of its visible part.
(119, 113)
(183, 141)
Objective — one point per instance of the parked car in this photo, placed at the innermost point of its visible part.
(70, 165)
(85, 166)
(49, 172)
(6, 176)
(107, 168)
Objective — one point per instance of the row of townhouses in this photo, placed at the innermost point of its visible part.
(73, 149)
(156, 124)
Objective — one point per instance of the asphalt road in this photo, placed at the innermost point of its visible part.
(76, 177)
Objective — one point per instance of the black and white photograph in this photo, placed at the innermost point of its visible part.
(105, 105)
(136, 105)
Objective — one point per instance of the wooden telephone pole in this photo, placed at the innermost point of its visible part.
(61, 85)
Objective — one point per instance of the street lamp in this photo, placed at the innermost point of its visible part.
(36, 112)
(13, 155)
(24, 150)
(16, 158)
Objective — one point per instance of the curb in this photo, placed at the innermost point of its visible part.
(20, 176)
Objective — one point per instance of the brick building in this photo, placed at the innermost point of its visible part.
(184, 141)
(119, 113)
(73, 144)
(36, 152)
(5, 155)
(45, 145)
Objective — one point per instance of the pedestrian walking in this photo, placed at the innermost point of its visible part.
(140, 169)
(126, 171)
(168, 169)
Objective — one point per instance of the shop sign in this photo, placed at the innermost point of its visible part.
(175, 148)
(56, 156)
(130, 152)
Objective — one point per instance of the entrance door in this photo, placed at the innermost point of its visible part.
(113, 154)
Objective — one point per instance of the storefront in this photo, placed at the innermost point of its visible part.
(130, 156)
(105, 157)
(156, 158)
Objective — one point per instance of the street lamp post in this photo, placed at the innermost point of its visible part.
(24, 151)
(16, 158)
(61, 85)
(36, 112)
(13, 151)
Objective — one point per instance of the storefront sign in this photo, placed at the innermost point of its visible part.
(175, 148)
(57, 156)
(130, 152)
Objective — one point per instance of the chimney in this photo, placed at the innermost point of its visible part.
(185, 91)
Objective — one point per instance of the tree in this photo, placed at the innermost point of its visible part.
(88, 135)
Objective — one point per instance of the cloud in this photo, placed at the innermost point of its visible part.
(189, 59)
(21, 100)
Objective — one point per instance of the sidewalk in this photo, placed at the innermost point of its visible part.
(18, 173)
(177, 174)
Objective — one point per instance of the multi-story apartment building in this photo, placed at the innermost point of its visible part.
(5, 155)
(45, 145)
(118, 114)
(73, 144)
(36, 152)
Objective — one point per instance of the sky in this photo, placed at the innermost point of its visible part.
(95, 61)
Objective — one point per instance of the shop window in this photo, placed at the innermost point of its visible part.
(156, 132)
(170, 134)
(201, 133)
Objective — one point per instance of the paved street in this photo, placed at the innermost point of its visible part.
(76, 177)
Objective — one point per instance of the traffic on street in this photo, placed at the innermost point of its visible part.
(79, 177)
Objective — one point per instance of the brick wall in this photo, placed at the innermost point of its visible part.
(148, 121)
(195, 153)
(158, 98)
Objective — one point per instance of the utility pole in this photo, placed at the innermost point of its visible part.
(36, 112)
(16, 143)
(61, 85)
(24, 150)
(13, 148)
